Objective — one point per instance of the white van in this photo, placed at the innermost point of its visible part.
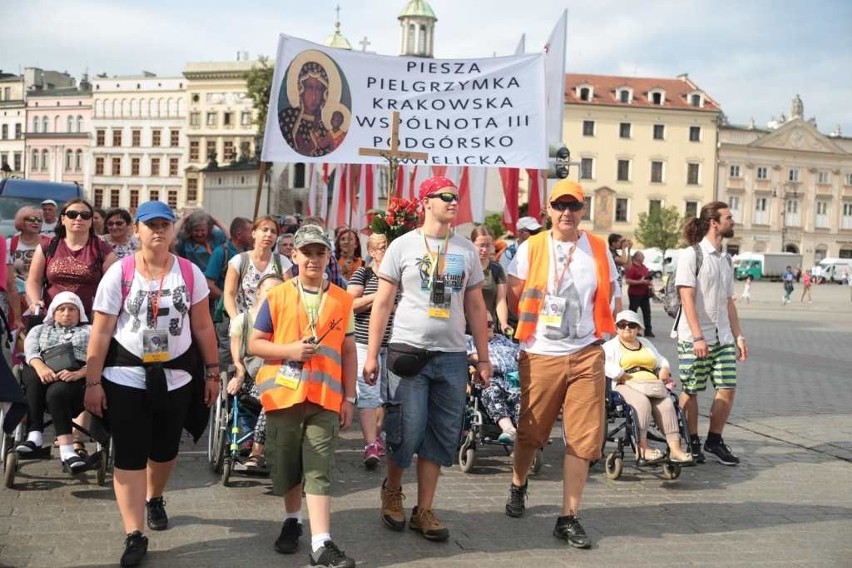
(836, 269)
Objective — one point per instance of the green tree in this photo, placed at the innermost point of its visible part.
(258, 86)
(494, 222)
(661, 228)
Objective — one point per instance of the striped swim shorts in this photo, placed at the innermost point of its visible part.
(720, 365)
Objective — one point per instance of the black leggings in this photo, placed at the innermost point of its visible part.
(63, 400)
(138, 432)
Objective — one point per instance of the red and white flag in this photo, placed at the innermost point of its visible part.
(510, 178)
(342, 202)
(535, 195)
(367, 197)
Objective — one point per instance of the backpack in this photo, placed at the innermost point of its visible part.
(128, 267)
(671, 296)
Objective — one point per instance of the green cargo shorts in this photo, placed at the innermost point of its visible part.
(300, 445)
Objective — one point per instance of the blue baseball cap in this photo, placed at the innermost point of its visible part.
(154, 210)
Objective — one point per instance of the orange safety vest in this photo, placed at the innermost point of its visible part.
(535, 287)
(321, 380)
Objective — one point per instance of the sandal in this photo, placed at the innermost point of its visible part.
(81, 450)
(651, 456)
(74, 465)
(683, 459)
(255, 462)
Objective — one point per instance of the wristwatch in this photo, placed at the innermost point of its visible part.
(351, 400)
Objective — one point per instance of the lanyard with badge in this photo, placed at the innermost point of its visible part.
(290, 373)
(439, 298)
(553, 310)
(155, 342)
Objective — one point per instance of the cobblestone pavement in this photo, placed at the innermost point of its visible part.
(788, 504)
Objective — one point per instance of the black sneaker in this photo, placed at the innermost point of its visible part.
(516, 504)
(158, 520)
(135, 548)
(697, 454)
(722, 452)
(569, 529)
(288, 540)
(330, 555)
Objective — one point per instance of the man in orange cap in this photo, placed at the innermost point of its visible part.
(562, 281)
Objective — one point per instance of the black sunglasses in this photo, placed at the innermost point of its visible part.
(446, 196)
(84, 215)
(562, 206)
(625, 325)
(32, 219)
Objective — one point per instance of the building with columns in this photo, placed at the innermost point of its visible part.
(789, 187)
(639, 143)
(417, 26)
(139, 141)
(58, 139)
(12, 124)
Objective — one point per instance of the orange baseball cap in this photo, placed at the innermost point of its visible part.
(567, 188)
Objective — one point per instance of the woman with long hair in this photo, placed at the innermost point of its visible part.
(151, 363)
(347, 247)
(74, 260)
(494, 290)
(246, 269)
(119, 233)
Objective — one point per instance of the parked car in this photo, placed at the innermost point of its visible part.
(17, 192)
(835, 269)
(654, 261)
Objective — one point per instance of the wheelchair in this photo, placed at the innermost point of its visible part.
(479, 429)
(622, 429)
(99, 462)
(224, 440)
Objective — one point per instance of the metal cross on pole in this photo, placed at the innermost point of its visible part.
(393, 154)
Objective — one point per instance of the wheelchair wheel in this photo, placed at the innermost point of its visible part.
(467, 457)
(670, 471)
(614, 465)
(220, 437)
(226, 471)
(10, 468)
(538, 461)
(214, 429)
(100, 474)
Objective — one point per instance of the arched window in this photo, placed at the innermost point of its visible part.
(299, 175)
(79, 123)
(173, 110)
(35, 161)
(409, 48)
(70, 127)
(421, 41)
(78, 163)
(134, 108)
(56, 120)
(99, 108)
(162, 109)
(45, 160)
(125, 108)
(152, 106)
(181, 107)
(44, 124)
(35, 125)
(69, 160)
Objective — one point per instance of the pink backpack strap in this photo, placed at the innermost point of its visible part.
(128, 267)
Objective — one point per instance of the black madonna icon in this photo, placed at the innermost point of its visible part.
(314, 104)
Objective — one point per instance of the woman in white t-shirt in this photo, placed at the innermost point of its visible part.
(246, 269)
(151, 333)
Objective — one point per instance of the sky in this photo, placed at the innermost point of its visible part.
(751, 56)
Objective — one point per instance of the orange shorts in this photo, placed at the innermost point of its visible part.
(576, 384)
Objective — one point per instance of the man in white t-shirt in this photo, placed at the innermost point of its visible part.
(48, 219)
(563, 283)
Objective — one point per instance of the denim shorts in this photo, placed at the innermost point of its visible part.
(430, 409)
(373, 396)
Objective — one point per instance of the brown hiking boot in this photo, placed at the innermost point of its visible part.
(393, 514)
(425, 521)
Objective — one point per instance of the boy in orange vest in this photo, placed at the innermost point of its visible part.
(305, 332)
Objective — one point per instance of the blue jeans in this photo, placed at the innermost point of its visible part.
(432, 408)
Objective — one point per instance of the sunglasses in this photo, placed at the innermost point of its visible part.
(563, 206)
(625, 325)
(115, 223)
(84, 215)
(446, 196)
(32, 219)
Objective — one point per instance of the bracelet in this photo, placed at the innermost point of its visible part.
(211, 378)
(699, 338)
(211, 366)
(93, 384)
(741, 337)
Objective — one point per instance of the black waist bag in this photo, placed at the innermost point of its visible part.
(61, 357)
(407, 361)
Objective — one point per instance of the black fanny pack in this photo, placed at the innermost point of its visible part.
(407, 361)
(61, 357)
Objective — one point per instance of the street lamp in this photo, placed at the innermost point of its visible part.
(795, 196)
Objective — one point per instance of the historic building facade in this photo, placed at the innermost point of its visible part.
(789, 187)
(638, 144)
(12, 125)
(138, 140)
(58, 137)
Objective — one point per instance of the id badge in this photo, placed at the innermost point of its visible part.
(439, 305)
(155, 346)
(289, 375)
(553, 311)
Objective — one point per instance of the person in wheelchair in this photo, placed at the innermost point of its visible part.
(247, 366)
(642, 377)
(502, 397)
(55, 354)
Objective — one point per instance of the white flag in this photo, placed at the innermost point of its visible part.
(554, 80)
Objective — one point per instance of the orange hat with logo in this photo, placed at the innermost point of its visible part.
(566, 188)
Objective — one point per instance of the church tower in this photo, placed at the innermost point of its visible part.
(337, 39)
(417, 21)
